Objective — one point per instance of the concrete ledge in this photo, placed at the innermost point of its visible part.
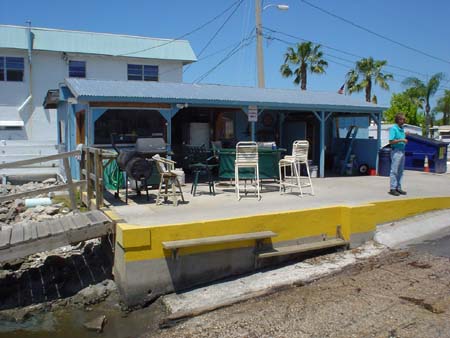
(143, 268)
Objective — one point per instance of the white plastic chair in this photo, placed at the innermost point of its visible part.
(293, 162)
(246, 157)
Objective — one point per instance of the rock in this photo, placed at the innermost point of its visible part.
(44, 217)
(8, 216)
(5, 274)
(19, 203)
(94, 294)
(39, 209)
(96, 324)
(4, 210)
(20, 315)
(51, 210)
(50, 181)
(64, 211)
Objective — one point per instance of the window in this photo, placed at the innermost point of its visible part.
(77, 68)
(143, 123)
(143, 73)
(11, 69)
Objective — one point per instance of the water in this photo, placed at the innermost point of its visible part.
(60, 278)
(68, 323)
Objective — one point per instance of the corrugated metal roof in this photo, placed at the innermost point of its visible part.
(97, 43)
(140, 91)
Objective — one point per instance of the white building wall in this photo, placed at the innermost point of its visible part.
(49, 69)
(385, 132)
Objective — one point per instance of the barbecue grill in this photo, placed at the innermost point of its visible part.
(136, 161)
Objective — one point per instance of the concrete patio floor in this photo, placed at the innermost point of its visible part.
(328, 192)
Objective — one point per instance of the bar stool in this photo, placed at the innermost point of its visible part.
(246, 157)
(292, 178)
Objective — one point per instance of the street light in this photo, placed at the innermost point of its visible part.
(259, 47)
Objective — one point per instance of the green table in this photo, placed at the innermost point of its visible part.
(268, 164)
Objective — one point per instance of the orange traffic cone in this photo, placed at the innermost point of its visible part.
(426, 168)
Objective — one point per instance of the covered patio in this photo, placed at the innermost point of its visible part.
(190, 114)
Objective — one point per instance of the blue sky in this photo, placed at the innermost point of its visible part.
(423, 26)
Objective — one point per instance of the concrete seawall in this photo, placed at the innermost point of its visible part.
(143, 269)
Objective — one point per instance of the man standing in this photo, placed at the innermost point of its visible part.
(397, 140)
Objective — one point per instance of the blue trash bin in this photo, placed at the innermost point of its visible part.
(384, 161)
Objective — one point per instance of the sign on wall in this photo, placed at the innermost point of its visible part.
(252, 114)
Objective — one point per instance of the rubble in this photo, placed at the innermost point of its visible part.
(96, 324)
(15, 211)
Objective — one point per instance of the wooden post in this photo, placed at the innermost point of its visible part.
(73, 202)
(100, 175)
(97, 173)
(88, 177)
(82, 168)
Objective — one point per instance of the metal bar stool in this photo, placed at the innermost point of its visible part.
(298, 158)
(246, 157)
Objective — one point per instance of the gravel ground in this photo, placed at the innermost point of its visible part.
(400, 294)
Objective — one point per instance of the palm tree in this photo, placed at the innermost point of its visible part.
(306, 56)
(443, 106)
(366, 73)
(424, 92)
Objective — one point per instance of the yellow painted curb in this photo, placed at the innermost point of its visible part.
(145, 242)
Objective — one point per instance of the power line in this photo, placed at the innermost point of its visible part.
(220, 28)
(228, 47)
(374, 33)
(226, 58)
(345, 52)
(217, 32)
(241, 45)
(186, 34)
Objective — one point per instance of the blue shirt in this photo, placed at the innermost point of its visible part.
(396, 133)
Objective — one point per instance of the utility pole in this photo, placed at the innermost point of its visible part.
(259, 45)
(259, 38)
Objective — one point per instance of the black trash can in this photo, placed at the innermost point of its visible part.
(384, 161)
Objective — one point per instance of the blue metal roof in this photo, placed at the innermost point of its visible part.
(96, 43)
(209, 94)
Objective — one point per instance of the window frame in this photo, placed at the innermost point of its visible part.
(73, 74)
(140, 72)
(12, 69)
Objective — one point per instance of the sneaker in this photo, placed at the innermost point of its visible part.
(394, 192)
(401, 192)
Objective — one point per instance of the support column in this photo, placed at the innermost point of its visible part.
(252, 124)
(89, 127)
(168, 115)
(377, 118)
(280, 128)
(322, 117)
(92, 115)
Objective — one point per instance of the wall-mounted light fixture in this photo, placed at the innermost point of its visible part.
(65, 57)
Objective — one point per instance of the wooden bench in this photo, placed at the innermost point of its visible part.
(288, 250)
(186, 243)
